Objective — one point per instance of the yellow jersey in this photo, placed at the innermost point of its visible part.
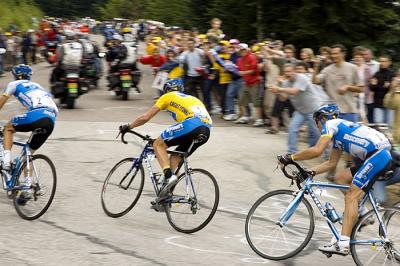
(224, 76)
(182, 107)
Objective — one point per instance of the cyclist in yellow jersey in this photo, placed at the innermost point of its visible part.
(191, 131)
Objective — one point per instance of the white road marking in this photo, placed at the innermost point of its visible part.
(248, 259)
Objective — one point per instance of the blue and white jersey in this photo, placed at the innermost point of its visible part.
(31, 95)
(355, 139)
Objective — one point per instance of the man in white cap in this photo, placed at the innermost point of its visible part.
(248, 69)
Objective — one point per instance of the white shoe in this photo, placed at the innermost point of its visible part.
(216, 111)
(258, 123)
(242, 120)
(168, 184)
(338, 247)
(230, 117)
(27, 182)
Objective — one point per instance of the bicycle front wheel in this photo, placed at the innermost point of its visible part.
(194, 201)
(275, 241)
(368, 245)
(32, 203)
(122, 188)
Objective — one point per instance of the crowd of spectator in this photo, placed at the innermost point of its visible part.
(28, 47)
(266, 82)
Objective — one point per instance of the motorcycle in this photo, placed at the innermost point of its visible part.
(123, 80)
(69, 88)
(90, 72)
(50, 52)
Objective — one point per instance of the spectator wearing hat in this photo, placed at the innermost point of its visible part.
(248, 69)
(152, 44)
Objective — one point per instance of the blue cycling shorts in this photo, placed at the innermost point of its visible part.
(372, 168)
(33, 116)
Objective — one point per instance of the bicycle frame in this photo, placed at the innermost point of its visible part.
(308, 188)
(145, 158)
(25, 155)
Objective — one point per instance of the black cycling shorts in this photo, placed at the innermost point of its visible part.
(46, 124)
(190, 141)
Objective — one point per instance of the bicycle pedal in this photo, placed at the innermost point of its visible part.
(157, 207)
(328, 255)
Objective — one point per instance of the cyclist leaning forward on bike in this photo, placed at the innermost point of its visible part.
(362, 142)
(192, 130)
(42, 112)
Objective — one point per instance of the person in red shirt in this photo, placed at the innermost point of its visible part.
(248, 69)
(155, 60)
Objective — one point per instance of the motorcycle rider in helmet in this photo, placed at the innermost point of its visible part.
(69, 56)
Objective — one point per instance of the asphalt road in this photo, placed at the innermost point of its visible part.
(75, 230)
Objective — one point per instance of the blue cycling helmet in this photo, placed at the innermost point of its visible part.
(22, 72)
(328, 111)
(173, 85)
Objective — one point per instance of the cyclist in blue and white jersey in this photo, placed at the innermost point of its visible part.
(362, 142)
(41, 114)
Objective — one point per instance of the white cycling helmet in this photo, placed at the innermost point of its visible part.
(117, 37)
(69, 34)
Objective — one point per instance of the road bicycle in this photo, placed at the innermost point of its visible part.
(190, 205)
(32, 201)
(281, 223)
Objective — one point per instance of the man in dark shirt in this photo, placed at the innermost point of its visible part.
(3, 45)
(380, 85)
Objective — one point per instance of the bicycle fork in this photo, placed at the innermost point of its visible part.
(291, 208)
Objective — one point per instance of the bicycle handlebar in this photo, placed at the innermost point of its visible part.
(299, 176)
(147, 138)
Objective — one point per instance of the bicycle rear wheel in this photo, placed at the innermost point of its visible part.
(193, 205)
(367, 229)
(279, 242)
(44, 183)
(122, 188)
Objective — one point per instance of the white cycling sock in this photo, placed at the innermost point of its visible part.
(7, 157)
(363, 210)
(344, 241)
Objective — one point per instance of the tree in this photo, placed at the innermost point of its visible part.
(172, 12)
(70, 8)
(21, 12)
(133, 9)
